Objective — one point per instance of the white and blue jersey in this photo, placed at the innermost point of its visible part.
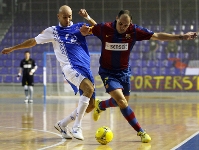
(71, 51)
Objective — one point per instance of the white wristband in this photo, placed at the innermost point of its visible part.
(88, 18)
(32, 70)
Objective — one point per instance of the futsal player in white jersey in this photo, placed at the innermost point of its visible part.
(71, 51)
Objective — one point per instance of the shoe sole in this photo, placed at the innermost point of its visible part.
(78, 138)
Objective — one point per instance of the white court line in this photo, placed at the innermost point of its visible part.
(177, 146)
(63, 140)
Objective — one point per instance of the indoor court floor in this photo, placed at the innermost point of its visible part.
(173, 123)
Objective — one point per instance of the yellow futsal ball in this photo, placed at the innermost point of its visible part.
(104, 135)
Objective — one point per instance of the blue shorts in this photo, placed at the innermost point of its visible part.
(116, 80)
(74, 77)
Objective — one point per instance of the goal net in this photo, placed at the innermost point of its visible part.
(54, 82)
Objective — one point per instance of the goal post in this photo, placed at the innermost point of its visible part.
(54, 83)
(44, 71)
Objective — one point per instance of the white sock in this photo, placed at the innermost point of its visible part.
(82, 105)
(69, 119)
(26, 91)
(30, 92)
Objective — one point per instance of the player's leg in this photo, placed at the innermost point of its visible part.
(31, 91)
(63, 124)
(24, 84)
(26, 93)
(30, 88)
(70, 118)
(84, 85)
(110, 84)
(87, 88)
(112, 81)
(129, 114)
(103, 104)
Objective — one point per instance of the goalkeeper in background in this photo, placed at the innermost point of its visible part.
(27, 70)
(71, 51)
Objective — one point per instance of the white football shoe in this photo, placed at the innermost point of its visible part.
(63, 130)
(77, 133)
(30, 101)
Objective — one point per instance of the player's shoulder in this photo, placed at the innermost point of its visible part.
(106, 25)
(31, 59)
(109, 24)
(79, 24)
(48, 29)
(143, 29)
(138, 26)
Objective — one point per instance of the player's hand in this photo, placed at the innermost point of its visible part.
(7, 50)
(190, 36)
(84, 30)
(30, 73)
(18, 77)
(83, 13)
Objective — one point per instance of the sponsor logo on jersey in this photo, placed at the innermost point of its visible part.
(27, 66)
(70, 38)
(116, 46)
(128, 36)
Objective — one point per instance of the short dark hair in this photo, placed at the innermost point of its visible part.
(125, 12)
(27, 52)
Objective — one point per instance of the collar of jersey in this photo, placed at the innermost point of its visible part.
(71, 23)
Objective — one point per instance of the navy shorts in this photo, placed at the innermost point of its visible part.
(116, 80)
(28, 80)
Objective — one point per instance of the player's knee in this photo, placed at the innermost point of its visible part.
(122, 103)
(88, 90)
(25, 87)
(87, 87)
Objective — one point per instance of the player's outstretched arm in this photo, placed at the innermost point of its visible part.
(26, 44)
(170, 37)
(84, 14)
(86, 30)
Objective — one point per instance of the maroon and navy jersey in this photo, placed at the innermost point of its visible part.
(116, 47)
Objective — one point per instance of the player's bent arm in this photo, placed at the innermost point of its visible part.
(170, 37)
(33, 70)
(20, 72)
(86, 16)
(90, 20)
(26, 44)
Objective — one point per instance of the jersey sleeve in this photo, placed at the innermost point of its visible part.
(143, 33)
(97, 29)
(21, 64)
(34, 63)
(45, 37)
